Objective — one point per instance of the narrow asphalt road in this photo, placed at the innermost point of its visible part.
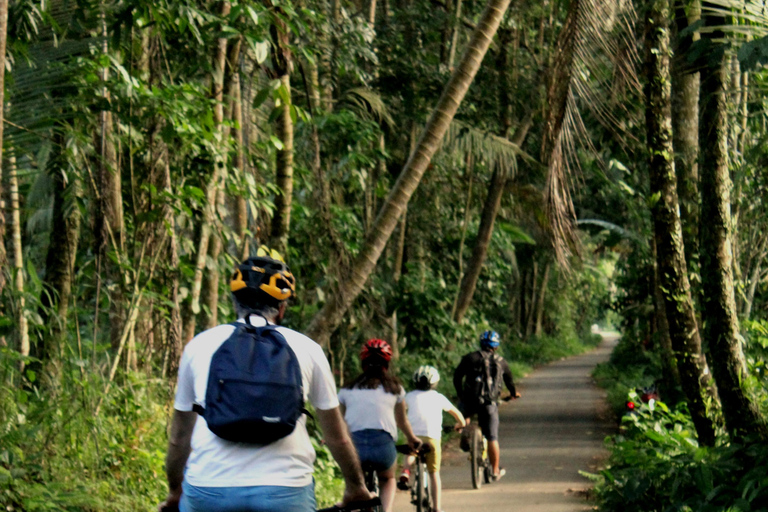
(555, 430)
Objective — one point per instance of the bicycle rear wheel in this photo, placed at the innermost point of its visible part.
(419, 482)
(476, 458)
(372, 483)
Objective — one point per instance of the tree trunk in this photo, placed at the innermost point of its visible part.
(671, 375)
(455, 35)
(241, 205)
(108, 226)
(721, 329)
(754, 279)
(281, 60)
(469, 170)
(3, 38)
(542, 297)
(685, 130)
(175, 338)
(532, 300)
(62, 251)
(329, 317)
(18, 258)
(480, 249)
(212, 188)
(668, 231)
(485, 231)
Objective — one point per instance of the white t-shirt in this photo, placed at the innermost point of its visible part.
(371, 409)
(215, 462)
(425, 412)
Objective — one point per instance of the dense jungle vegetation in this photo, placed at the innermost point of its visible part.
(429, 168)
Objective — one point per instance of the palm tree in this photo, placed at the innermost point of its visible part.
(330, 315)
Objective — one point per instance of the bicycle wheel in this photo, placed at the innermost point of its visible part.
(476, 457)
(419, 483)
(427, 494)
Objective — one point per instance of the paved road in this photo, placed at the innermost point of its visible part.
(556, 429)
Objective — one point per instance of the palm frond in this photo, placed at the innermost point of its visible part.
(595, 53)
(495, 151)
(613, 228)
(368, 104)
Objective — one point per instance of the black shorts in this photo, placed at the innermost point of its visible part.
(487, 417)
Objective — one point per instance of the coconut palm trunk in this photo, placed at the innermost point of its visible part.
(330, 315)
(668, 230)
(721, 328)
(485, 231)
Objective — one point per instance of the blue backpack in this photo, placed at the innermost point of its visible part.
(255, 393)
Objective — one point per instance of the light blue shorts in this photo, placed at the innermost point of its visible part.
(261, 498)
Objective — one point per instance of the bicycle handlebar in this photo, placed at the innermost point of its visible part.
(407, 450)
(354, 506)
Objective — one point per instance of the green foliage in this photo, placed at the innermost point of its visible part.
(57, 455)
(657, 465)
(631, 366)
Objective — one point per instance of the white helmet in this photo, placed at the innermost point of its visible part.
(427, 372)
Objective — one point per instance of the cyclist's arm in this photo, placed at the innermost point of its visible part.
(338, 441)
(508, 380)
(179, 448)
(456, 413)
(401, 418)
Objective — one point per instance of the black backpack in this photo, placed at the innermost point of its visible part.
(483, 382)
(254, 393)
(492, 377)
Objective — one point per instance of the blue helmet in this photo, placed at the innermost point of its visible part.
(490, 339)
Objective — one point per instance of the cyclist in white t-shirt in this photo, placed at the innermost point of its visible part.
(425, 413)
(208, 473)
(374, 409)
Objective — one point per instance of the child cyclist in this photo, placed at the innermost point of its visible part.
(374, 408)
(425, 414)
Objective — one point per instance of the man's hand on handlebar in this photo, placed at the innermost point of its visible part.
(357, 494)
(512, 397)
(171, 503)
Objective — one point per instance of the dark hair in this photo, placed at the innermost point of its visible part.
(423, 384)
(375, 375)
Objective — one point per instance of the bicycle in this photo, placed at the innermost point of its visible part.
(420, 495)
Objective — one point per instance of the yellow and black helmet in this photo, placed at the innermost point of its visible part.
(264, 279)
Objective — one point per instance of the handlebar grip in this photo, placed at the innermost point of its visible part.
(170, 508)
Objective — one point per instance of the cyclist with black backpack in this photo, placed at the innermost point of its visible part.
(248, 382)
(478, 381)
